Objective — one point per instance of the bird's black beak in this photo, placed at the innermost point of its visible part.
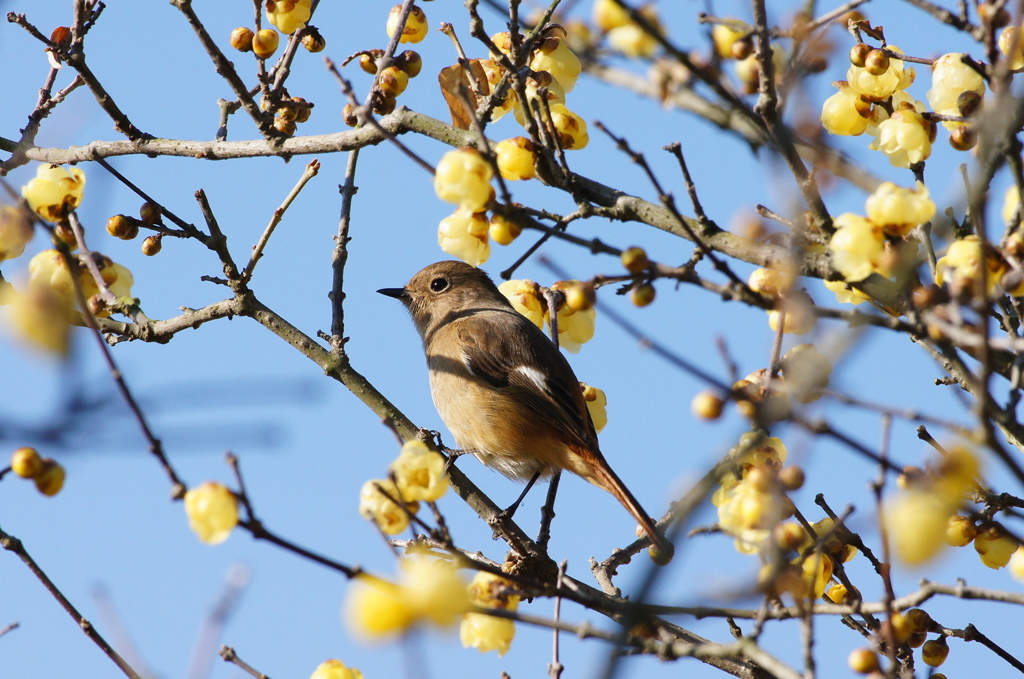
(397, 293)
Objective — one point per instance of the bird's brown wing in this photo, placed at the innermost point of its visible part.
(535, 370)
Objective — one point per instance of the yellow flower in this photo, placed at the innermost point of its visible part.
(15, 231)
(1010, 202)
(463, 177)
(555, 95)
(1017, 564)
(26, 463)
(607, 15)
(554, 56)
(995, 546)
(960, 531)
(597, 404)
(904, 138)
(748, 69)
(465, 235)
(1011, 44)
(725, 34)
(962, 266)
(845, 113)
(571, 128)
(898, 210)
(524, 295)
(427, 591)
(486, 632)
(575, 328)
(377, 505)
(212, 512)
(817, 571)
(880, 87)
(335, 669)
(419, 473)
(288, 15)
(632, 41)
(415, 25)
(771, 282)
(919, 518)
(951, 77)
(856, 246)
(54, 191)
(503, 231)
(434, 590)
(845, 294)
(756, 449)
(494, 73)
(377, 608)
(49, 269)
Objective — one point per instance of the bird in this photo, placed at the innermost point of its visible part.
(504, 389)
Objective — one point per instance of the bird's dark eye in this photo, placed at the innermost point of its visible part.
(439, 284)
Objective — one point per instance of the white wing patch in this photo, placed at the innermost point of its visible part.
(535, 376)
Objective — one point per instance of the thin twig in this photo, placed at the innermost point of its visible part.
(13, 544)
(339, 255)
(257, 251)
(366, 115)
(229, 655)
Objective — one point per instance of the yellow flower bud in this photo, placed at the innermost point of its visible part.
(50, 479)
(212, 512)
(265, 43)
(26, 463)
(516, 158)
(241, 39)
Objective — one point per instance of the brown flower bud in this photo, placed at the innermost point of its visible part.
(348, 114)
(63, 232)
(963, 138)
(411, 62)
(876, 62)
(313, 41)
(152, 245)
(149, 213)
(858, 53)
(241, 39)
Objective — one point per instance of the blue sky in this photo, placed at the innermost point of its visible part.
(306, 445)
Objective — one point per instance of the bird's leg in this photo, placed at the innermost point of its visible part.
(511, 510)
(547, 512)
(452, 456)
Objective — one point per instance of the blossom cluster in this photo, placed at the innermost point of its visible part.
(417, 475)
(463, 176)
(874, 100)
